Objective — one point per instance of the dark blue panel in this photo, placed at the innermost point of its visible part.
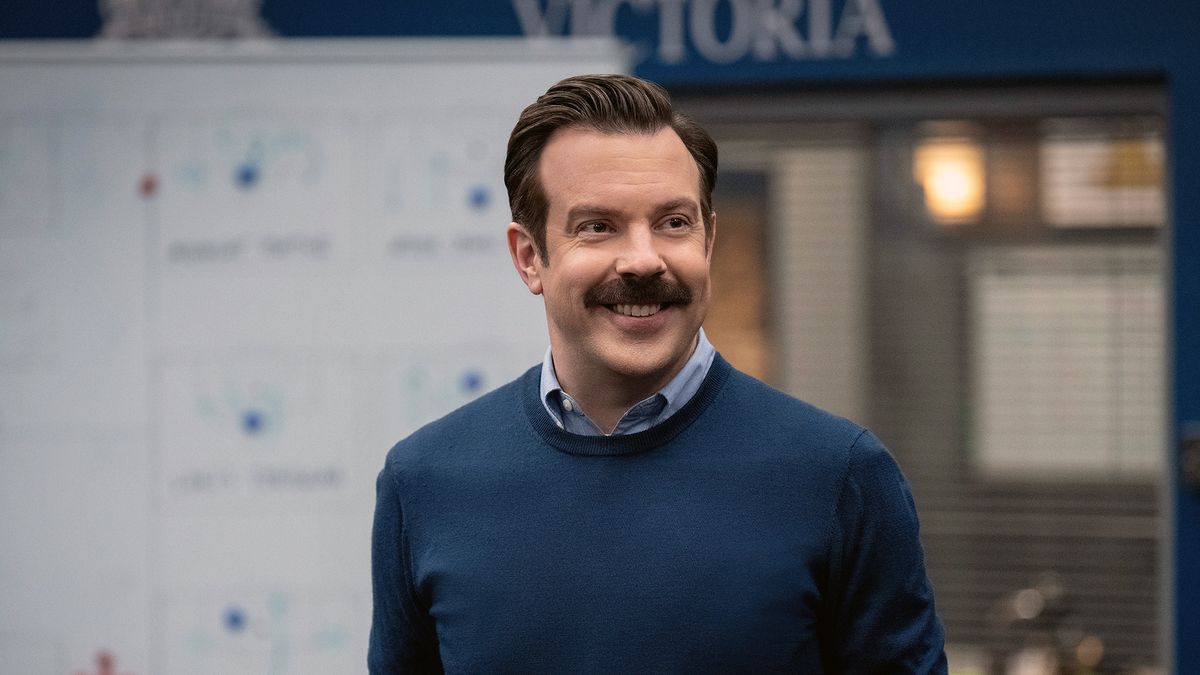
(1185, 166)
(354, 18)
(678, 40)
(35, 19)
(963, 39)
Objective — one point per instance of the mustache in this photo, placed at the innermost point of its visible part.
(637, 291)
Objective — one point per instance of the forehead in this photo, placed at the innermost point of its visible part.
(584, 164)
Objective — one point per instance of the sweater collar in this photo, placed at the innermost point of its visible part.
(576, 444)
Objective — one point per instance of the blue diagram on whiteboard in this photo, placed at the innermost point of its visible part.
(436, 186)
(246, 432)
(424, 384)
(479, 197)
(289, 155)
(255, 408)
(247, 174)
(472, 381)
(241, 190)
(268, 151)
(276, 632)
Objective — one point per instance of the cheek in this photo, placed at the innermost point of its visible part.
(579, 273)
(564, 289)
(697, 271)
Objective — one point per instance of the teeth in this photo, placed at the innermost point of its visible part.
(637, 310)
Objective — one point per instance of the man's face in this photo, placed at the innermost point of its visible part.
(627, 284)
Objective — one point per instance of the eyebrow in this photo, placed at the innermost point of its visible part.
(681, 204)
(583, 211)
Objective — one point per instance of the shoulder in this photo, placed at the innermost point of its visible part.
(773, 414)
(809, 443)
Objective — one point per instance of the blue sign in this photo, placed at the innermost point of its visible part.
(719, 31)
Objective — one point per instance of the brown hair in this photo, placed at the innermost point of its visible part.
(615, 104)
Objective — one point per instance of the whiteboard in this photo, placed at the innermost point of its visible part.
(231, 277)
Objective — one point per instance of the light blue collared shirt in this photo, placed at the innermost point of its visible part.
(568, 415)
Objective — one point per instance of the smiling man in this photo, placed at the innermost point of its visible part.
(635, 504)
(622, 262)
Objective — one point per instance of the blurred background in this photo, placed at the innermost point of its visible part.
(246, 246)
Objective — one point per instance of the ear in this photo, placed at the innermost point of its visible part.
(525, 257)
(710, 236)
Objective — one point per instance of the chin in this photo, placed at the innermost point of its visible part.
(641, 363)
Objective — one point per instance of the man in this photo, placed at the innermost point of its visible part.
(635, 504)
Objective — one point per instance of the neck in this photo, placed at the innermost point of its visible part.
(606, 395)
(606, 400)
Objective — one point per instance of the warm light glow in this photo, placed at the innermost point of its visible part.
(951, 173)
(1131, 164)
(1089, 651)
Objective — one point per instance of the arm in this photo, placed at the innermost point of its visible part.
(403, 638)
(880, 614)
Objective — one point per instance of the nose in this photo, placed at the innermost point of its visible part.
(640, 256)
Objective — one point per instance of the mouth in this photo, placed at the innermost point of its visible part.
(637, 310)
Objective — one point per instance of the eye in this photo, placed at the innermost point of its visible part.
(594, 227)
(677, 223)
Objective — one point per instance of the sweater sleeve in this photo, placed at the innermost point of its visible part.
(881, 615)
(403, 638)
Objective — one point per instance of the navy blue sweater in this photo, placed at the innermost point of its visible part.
(748, 533)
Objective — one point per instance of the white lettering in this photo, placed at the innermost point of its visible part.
(670, 31)
(777, 30)
(766, 29)
(863, 17)
(704, 30)
(581, 18)
(536, 24)
(819, 28)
